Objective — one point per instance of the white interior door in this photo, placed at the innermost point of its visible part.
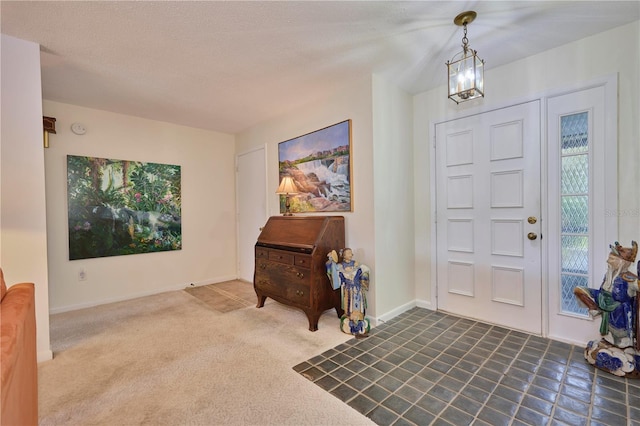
(488, 203)
(251, 207)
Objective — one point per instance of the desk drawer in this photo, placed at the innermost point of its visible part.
(286, 283)
(262, 253)
(302, 260)
(281, 257)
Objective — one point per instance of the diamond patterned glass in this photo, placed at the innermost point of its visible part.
(575, 214)
(575, 174)
(569, 301)
(574, 132)
(575, 254)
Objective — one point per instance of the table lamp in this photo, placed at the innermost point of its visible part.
(287, 186)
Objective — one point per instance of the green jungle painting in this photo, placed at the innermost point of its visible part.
(119, 207)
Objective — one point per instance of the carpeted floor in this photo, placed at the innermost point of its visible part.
(226, 296)
(172, 359)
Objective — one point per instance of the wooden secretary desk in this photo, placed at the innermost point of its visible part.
(290, 263)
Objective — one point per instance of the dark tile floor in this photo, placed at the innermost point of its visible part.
(429, 368)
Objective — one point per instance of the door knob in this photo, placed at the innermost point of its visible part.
(532, 236)
(532, 219)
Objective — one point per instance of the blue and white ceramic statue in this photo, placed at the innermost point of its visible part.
(352, 279)
(616, 301)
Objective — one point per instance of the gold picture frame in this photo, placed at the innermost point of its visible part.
(320, 164)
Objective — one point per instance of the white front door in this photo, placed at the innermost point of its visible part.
(251, 207)
(488, 217)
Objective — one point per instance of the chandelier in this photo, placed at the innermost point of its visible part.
(465, 71)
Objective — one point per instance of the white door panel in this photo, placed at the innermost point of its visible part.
(488, 185)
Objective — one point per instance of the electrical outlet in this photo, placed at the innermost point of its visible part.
(82, 275)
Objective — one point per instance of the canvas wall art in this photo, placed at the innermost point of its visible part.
(119, 207)
(320, 165)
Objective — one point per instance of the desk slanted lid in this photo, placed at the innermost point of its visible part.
(296, 232)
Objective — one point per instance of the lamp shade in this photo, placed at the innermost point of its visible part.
(287, 186)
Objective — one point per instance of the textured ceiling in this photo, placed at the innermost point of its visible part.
(228, 65)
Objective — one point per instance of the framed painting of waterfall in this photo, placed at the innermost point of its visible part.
(320, 165)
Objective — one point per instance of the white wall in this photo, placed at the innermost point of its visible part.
(613, 52)
(393, 199)
(23, 226)
(380, 228)
(353, 102)
(208, 207)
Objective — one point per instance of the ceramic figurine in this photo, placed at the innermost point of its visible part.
(616, 301)
(352, 279)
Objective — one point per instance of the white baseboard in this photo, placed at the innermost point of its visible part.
(578, 343)
(175, 287)
(212, 281)
(424, 304)
(381, 319)
(45, 355)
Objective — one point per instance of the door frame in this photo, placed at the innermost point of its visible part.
(610, 81)
(262, 148)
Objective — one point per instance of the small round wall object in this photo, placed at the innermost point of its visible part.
(78, 128)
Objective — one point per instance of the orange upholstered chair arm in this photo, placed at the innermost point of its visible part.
(18, 357)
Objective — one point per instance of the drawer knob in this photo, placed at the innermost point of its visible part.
(300, 293)
(300, 274)
(263, 266)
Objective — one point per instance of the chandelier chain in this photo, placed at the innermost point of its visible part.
(465, 40)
